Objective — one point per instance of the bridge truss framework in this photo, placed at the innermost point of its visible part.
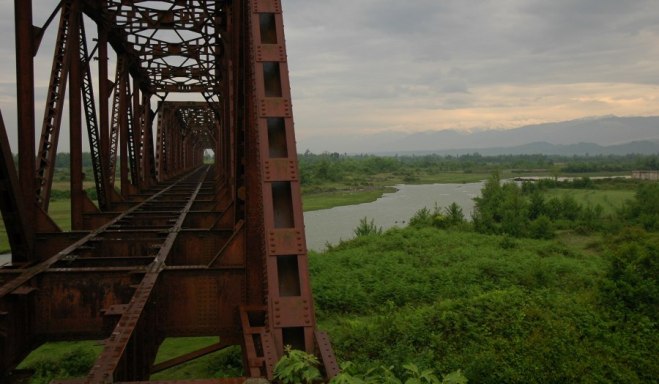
(168, 246)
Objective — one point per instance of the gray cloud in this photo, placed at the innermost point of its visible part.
(385, 64)
(375, 56)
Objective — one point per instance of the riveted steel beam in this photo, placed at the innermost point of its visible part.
(184, 248)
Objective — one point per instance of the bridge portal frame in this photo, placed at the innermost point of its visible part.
(156, 255)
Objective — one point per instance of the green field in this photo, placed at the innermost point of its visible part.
(59, 211)
(217, 364)
(609, 200)
(326, 200)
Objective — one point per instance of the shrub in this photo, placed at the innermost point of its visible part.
(367, 228)
(421, 218)
(632, 283)
(541, 228)
(297, 367)
(450, 216)
(644, 209)
(454, 214)
(501, 209)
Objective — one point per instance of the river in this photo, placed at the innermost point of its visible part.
(392, 209)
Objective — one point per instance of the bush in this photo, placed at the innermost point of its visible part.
(632, 284)
(541, 228)
(297, 367)
(501, 209)
(454, 214)
(644, 209)
(421, 218)
(445, 300)
(366, 228)
(450, 216)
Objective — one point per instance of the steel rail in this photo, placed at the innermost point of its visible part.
(115, 346)
(31, 272)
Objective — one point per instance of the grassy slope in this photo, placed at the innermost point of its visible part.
(501, 310)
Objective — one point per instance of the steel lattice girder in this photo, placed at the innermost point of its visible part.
(184, 249)
(176, 45)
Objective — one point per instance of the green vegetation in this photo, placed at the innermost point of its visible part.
(223, 363)
(331, 179)
(59, 211)
(367, 228)
(62, 360)
(555, 299)
(552, 281)
(326, 200)
(297, 367)
(610, 200)
(534, 209)
(59, 360)
(411, 375)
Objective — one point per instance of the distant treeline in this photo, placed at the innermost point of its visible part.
(332, 167)
(335, 167)
(63, 160)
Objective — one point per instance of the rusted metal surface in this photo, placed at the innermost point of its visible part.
(185, 249)
(53, 111)
(19, 232)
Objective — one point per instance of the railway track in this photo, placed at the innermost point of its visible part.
(218, 252)
(136, 244)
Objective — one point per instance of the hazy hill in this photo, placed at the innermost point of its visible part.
(635, 147)
(600, 135)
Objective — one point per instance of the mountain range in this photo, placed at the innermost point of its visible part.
(594, 136)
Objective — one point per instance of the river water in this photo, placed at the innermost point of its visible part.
(392, 209)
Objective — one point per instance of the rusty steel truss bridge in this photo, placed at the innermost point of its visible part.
(167, 246)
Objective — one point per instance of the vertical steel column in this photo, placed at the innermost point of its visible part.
(148, 166)
(291, 318)
(134, 134)
(178, 151)
(123, 118)
(75, 119)
(104, 111)
(116, 122)
(25, 100)
(160, 144)
(52, 117)
(89, 103)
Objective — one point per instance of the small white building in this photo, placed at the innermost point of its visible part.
(646, 175)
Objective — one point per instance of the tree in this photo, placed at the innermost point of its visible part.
(366, 228)
(514, 217)
(500, 208)
(486, 213)
(454, 214)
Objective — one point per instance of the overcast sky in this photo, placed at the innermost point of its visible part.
(365, 66)
(382, 65)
